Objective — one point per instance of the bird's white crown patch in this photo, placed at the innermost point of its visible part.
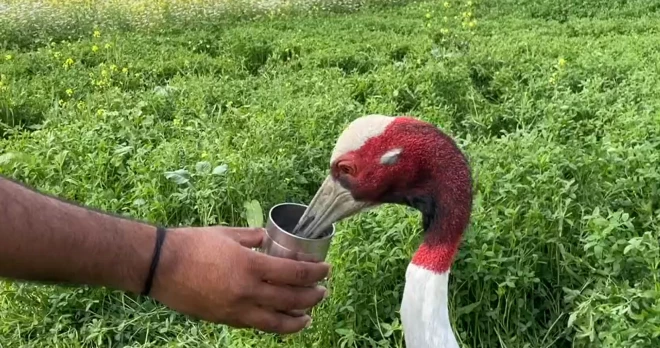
(358, 132)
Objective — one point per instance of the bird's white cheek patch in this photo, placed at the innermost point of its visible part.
(390, 157)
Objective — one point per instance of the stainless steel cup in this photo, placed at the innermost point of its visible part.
(279, 242)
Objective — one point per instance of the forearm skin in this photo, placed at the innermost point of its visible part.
(44, 239)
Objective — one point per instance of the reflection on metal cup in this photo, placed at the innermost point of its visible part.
(279, 242)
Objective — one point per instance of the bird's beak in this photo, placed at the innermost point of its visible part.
(331, 203)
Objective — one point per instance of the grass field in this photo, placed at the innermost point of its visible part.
(165, 112)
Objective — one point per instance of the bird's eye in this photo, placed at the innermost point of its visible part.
(346, 167)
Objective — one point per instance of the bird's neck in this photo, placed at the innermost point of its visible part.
(445, 209)
(446, 213)
(425, 309)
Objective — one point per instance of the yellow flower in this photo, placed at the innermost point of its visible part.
(469, 3)
(95, 48)
(8, 57)
(104, 73)
(428, 15)
(100, 112)
(69, 92)
(446, 4)
(107, 46)
(562, 62)
(124, 70)
(68, 62)
(113, 67)
(472, 24)
(97, 33)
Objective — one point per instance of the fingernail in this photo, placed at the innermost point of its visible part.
(309, 322)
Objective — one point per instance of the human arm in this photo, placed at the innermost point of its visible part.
(48, 240)
(207, 272)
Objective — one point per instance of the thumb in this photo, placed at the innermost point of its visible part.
(248, 237)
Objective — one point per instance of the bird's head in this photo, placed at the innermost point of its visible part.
(383, 159)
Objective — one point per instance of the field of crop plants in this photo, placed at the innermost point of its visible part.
(184, 112)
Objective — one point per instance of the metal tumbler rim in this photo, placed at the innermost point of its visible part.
(291, 235)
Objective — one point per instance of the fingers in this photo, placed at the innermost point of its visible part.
(296, 313)
(285, 271)
(274, 322)
(247, 237)
(286, 298)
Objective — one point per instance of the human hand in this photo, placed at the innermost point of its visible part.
(212, 274)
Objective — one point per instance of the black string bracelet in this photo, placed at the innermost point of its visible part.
(160, 238)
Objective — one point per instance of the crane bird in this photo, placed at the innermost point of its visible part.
(381, 159)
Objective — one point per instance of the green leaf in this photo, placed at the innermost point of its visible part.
(139, 202)
(388, 329)
(5, 158)
(203, 167)
(254, 213)
(571, 318)
(627, 249)
(180, 176)
(598, 251)
(467, 309)
(122, 150)
(344, 332)
(219, 170)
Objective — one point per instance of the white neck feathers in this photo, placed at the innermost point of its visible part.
(425, 311)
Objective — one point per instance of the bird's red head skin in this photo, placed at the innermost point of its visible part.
(429, 173)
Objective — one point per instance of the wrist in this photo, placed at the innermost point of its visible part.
(129, 274)
(161, 234)
(164, 276)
